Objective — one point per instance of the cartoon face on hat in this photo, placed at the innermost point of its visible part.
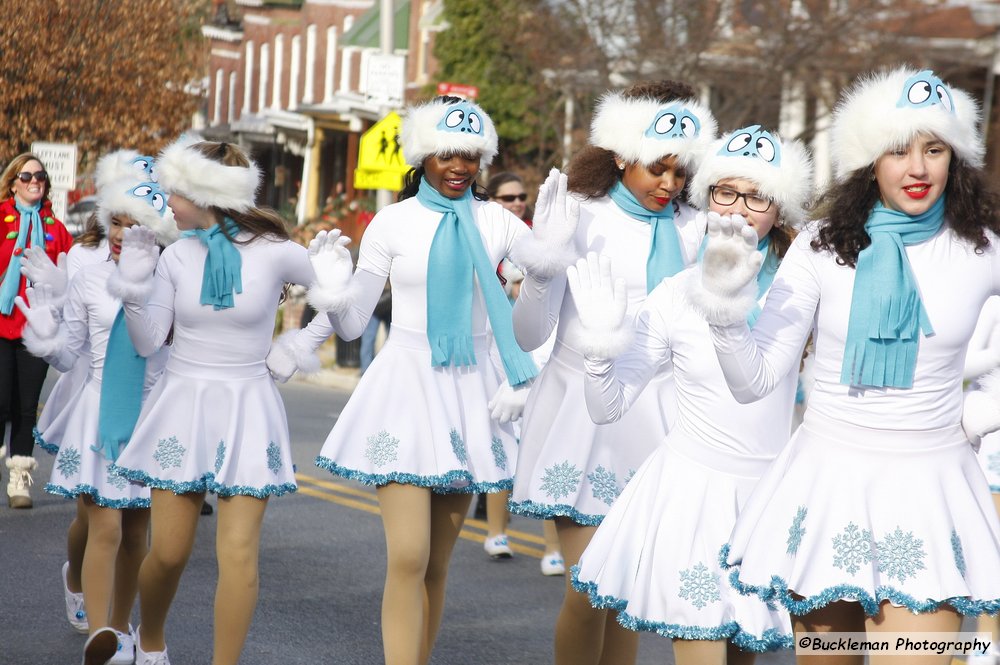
(145, 203)
(674, 122)
(144, 168)
(925, 89)
(753, 141)
(461, 117)
(151, 194)
(444, 126)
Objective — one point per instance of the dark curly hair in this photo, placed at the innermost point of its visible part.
(972, 207)
(411, 181)
(592, 171)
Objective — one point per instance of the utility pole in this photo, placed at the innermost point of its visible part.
(383, 197)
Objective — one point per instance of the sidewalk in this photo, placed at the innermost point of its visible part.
(342, 378)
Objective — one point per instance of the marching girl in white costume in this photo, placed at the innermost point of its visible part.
(690, 489)
(623, 192)
(88, 249)
(436, 445)
(214, 421)
(107, 539)
(876, 515)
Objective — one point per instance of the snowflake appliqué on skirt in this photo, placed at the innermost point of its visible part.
(169, 453)
(699, 586)
(956, 549)
(795, 531)
(220, 456)
(852, 548)
(604, 485)
(381, 448)
(114, 480)
(68, 462)
(561, 479)
(499, 454)
(458, 446)
(274, 457)
(900, 555)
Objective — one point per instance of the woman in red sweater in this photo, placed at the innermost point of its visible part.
(26, 220)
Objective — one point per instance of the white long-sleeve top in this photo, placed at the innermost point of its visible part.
(606, 229)
(668, 328)
(396, 246)
(80, 256)
(812, 290)
(238, 335)
(983, 354)
(88, 315)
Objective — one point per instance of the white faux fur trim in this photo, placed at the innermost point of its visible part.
(206, 183)
(22, 462)
(335, 301)
(540, 259)
(719, 310)
(790, 184)
(118, 198)
(289, 344)
(867, 123)
(43, 347)
(119, 165)
(605, 346)
(421, 138)
(137, 292)
(620, 125)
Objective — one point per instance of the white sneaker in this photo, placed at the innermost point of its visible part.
(497, 547)
(553, 564)
(100, 647)
(150, 657)
(126, 648)
(74, 606)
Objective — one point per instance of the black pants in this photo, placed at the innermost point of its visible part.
(21, 379)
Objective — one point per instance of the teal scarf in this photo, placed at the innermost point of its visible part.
(30, 224)
(121, 391)
(665, 258)
(765, 276)
(223, 265)
(456, 251)
(887, 314)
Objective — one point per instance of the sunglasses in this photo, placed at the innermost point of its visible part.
(40, 176)
(510, 198)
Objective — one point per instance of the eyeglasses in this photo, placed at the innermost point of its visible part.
(725, 196)
(25, 176)
(510, 198)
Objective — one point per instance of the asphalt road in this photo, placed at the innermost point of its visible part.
(322, 570)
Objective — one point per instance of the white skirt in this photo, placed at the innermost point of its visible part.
(655, 557)
(857, 514)
(989, 460)
(569, 466)
(220, 428)
(408, 422)
(51, 421)
(79, 469)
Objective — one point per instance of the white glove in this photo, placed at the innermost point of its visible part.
(556, 213)
(508, 403)
(549, 249)
(132, 280)
(720, 287)
(39, 269)
(41, 315)
(980, 416)
(601, 304)
(331, 261)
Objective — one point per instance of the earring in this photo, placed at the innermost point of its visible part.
(621, 166)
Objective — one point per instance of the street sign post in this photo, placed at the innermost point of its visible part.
(59, 160)
(380, 156)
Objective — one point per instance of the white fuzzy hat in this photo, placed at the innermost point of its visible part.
(122, 165)
(886, 110)
(782, 170)
(439, 127)
(644, 130)
(144, 202)
(203, 181)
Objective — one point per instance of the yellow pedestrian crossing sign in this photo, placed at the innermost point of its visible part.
(380, 156)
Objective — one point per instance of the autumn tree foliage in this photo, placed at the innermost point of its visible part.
(103, 74)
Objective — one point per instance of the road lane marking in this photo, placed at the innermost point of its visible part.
(473, 529)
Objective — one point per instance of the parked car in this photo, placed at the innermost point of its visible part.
(78, 214)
